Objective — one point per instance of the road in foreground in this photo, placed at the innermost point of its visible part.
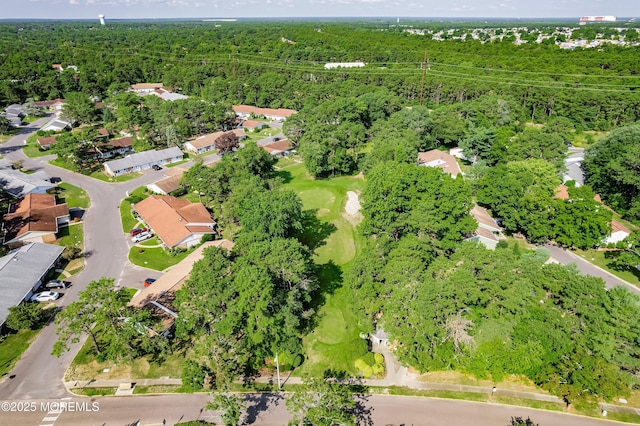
(269, 409)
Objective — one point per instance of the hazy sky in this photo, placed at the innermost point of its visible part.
(89, 9)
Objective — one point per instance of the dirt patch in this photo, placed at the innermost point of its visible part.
(95, 370)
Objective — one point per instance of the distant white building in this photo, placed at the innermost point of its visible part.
(332, 65)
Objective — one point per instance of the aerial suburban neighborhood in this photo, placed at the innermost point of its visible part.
(305, 222)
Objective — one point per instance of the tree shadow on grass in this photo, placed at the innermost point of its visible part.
(284, 175)
(330, 279)
(314, 231)
(626, 263)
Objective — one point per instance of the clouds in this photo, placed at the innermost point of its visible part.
(132, 9)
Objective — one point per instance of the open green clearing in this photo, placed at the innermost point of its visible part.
(334, 342)
(74, 196)
(156, 258)
(32, 150)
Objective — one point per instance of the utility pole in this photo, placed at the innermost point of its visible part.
(278, 369)
(424, 71)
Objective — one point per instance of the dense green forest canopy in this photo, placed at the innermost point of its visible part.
(280, 64)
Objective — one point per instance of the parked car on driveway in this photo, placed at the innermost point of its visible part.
(57, 284)
(156, 167)
(136, 231)
(141, 237)
(149, 281)
(45, 296)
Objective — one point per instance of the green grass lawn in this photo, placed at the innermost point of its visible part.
(113, 179)
(72, 235)
(74, 196)
(32, 150)
(128, 220)
(12, 347)
(155, 258)
(334, 342)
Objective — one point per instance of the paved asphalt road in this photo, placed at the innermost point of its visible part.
(269, 409)
(566, 257)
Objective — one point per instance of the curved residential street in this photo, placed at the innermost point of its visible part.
(39, 374)
(37, 379)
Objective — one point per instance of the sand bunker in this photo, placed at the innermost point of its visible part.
(353, 203)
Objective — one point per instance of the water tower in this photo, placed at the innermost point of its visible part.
(101, 17)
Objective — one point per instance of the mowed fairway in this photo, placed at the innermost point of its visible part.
(334, 342)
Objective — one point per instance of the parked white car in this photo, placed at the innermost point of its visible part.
(141, 237)
(45, 296)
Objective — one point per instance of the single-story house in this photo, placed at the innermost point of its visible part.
(121, 146)
(165, 186)
(333, 65)
(279, 148)
(179, 223)
(22, 271)
(46, 142)
(618, 233)
(146, 88)
(142, 161)
(166, 95)
(35, 218)
(248, 111)
(380, 337)
(159, 297)
(440, 159)
(18, 184)
(207, 142)
(58, 124)
(55, 104)
(14, 114)
(252, 125)
(488, 231)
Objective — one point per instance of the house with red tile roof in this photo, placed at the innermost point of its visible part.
(46, 142)
(208, 142)
(35, 218)
(121, 146)
(278, 148)
(252, 125)
(440, 159)
(179, 223)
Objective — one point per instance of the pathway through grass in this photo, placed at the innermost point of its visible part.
(334, 343)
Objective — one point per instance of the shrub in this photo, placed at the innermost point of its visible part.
(25, 316)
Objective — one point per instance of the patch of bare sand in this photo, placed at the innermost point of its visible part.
(353, 203)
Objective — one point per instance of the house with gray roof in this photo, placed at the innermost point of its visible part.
(18, 184)
(22, 271)
(142, 161)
